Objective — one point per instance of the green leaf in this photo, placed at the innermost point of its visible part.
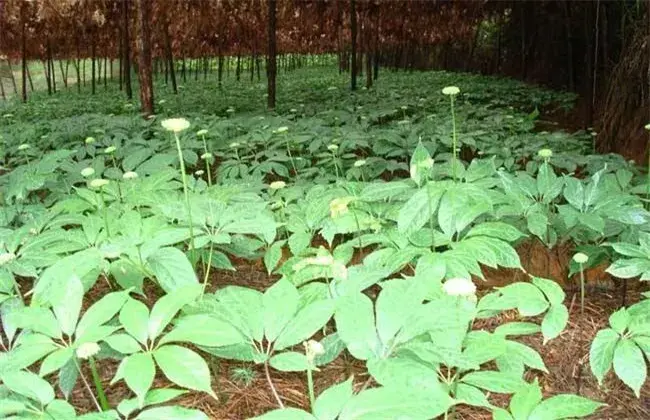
(305, 323)
(167, 306)
(153, 397)
(30, 385)
(330, 402)
(501, 414)
(272, 256)
(139, 371)
(55, 361)
(525, 400)
(629, 365)
(290, 361)
(37, 319)
(517, 328)
(628, 268)
(355, 324)
(100, 312)
(85, 265)
(204, 330)
(564, 406)
(298, 241)
(415, 213)
(551, 289)
(68, 376)
(184, 367)
(333, 346)
(554, 322)
(537, 224)
(59, 409)
(173, 412)
(420, 165)
(286, 414)
(497, 230)
(391, 403)
(172, 269)
(134, 317)
(494, 381)
(279, 305)
(620, 320)
(601, 353)
(472, 396)
(66, 304)
(123, 343)
(527, 355)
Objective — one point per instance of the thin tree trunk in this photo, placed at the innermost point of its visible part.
(77, 66)
(13, 78)
(220, 67)
(127, 50)
(238, 71)
(2, 90)
(23, 49)
(46, 72)
(92, 61)
(29, 78)
(569, 46)
(144, 56)
(105, 70)
(271, 64)
(170, 60)
(63, 77)
(50, 66)
(353, 26)
(183, 71)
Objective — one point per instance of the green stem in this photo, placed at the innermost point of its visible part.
(207, 271)
(105, 208)
(119, 189)
(293, 165)
(87, 385)
(103, 401)
(582, 289)
(454, 138)
(310, 385)
(185, 190)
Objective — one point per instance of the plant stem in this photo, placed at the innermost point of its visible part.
(310, 385)
(185, 191)
(293, 165)
(87, 385)
(105, 208)
(454, 138)
(207, 271)
(270, 382)
(582, 289)
(103, 401)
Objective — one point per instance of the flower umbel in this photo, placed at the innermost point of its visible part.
(130, 175)
(86, 172)
(580, 258)
(339, 206)
(451, 90)
(98, 183)
(277, 185)
(6, 258)
(175, 125)
(459, 287)
(312, 349)
(545, 153)
(87, 350)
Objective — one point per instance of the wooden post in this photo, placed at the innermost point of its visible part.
(144, 57)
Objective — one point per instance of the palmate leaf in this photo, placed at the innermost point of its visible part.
(184, 367)
(629, 365)
(172, 269)
(601, 353)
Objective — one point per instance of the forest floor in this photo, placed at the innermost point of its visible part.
(243, 390)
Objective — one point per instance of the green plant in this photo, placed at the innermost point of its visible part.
(581, 259)
(623, 346)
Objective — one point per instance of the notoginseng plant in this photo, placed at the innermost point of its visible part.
(54, 332)
(418, 345)
(624, 346)
(267, 325)
(145, 345)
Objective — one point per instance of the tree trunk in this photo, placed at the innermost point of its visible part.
(105, 70)
(13, 78)
(170, 59)
(220, 67)
(144, 57)
(2, 90)
(569, 46)
(184, 70)
(92, 61)
(77, 67)
(238, 70)
(63, 76)
(353, 27)
(24, 49)
(271, 63)
(127, 50)
(46, 72)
